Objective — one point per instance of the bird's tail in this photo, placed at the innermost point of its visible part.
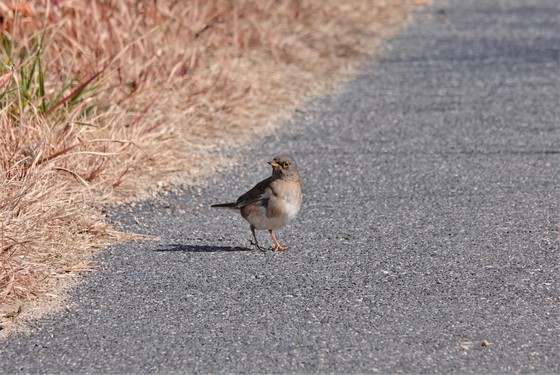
(224, 205)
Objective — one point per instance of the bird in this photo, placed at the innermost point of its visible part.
(273, 202)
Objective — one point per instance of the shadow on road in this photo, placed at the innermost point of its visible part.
(200, 248)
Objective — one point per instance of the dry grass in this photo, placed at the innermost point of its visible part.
(101, 100)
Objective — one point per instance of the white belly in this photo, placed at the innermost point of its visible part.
(280, 211)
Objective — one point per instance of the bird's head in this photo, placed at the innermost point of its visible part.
(284, 166)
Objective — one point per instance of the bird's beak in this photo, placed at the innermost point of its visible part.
(274, 164)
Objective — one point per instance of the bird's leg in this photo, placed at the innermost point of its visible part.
(277, 245)
(256, 243)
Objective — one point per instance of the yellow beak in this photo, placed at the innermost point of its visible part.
(274, 164)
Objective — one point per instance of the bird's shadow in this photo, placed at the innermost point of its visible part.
(201, 248)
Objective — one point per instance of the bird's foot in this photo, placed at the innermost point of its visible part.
(256, 244)
(279, 247)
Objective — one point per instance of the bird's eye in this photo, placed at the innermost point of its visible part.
(285, 164)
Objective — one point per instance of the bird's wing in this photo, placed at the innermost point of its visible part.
(255, 194)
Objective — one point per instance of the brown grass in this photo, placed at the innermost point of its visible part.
(128, 94)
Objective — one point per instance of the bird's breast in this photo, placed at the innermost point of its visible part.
(279, 204)
(284, 200)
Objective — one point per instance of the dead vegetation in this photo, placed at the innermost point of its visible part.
(100, 100)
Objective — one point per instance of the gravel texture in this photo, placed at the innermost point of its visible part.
(428, 241)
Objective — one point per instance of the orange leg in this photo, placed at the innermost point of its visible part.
(277, 245)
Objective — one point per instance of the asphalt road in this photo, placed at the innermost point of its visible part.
(428, 241)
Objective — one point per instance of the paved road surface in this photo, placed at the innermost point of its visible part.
(428, 242)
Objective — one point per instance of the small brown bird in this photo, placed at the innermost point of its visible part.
(273, 202)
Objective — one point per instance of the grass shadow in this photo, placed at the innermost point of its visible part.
(201, 248)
